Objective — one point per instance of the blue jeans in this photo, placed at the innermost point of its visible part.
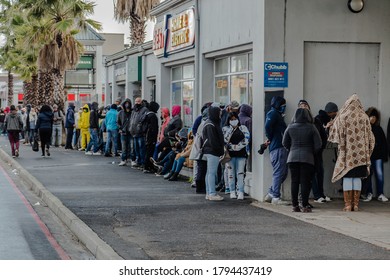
(93, 141)
(139, 148)
(127, 147)
(56, 139)
(236, 170)
(166, 162)
(112, 135)
(211, 175)
(377, 169)
(178, 164)
(280, 170)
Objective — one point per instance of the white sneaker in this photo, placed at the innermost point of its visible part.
(133, 163)
(96, 154)
(233, 195)
(122, 163)
(207, 197)
(369, 198)
(240, 196)
(89, 153)
(320, 200)
(215, 197)
(382, 198)
(81, 149)
(268, 198)
(278, 201)
(328, 199)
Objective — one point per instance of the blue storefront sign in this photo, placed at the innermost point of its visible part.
(276, 74)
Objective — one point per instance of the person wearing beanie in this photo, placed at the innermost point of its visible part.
(274, 130)
(13, 124)
(331, 107)
(70, 124)
(123, 121)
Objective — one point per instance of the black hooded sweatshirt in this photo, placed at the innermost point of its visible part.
(151, 122)
(212, 133)
(94, 116)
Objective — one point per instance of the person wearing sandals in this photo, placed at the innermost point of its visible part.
(302, 140)
(45, 126)
(236, 138)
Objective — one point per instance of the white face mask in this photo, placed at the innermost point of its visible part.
(233, 122)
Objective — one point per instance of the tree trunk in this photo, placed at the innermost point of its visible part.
(10, 88)
(27, 90)
(137, 30)
(45, 88)
(58, 93)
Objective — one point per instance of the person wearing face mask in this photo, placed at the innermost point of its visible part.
(274, 130)
(236, 138)
(84, 128)
(94, 117)
(123, 121)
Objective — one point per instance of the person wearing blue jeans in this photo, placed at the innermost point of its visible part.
(274, 130)
(93, 142)
(127, 148)
(112, 130)
(139, 148)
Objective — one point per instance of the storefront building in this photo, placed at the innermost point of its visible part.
(251, 50)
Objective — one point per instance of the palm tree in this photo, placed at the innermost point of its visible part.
(137, 11)
(60, 21)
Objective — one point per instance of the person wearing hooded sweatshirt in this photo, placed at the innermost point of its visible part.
(94, 117)
(274, 129)
(70, 124)
(13, 124)
(165, 118)
(137, 130)
(302, 140)
(123, 120)
(151, 122)
(45, 128)
(213, 149)
(378, 157)
(112, 130)
(84, 128)
(2, 120)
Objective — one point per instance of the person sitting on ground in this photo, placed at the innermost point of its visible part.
(180, 159)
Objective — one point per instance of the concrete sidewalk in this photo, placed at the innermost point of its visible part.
(371, 225)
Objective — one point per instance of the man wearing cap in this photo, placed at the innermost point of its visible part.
(274, 130)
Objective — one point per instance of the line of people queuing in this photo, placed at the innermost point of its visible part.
(361, 150)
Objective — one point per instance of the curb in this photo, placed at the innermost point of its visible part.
(100, 249)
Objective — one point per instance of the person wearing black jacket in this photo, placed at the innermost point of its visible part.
(69, 125)
(45, 126)
(151, 122)
(212, 149)
(123, 120)
(93, 130)
(378, 157)
(137, 132)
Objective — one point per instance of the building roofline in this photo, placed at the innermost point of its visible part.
(130, 51)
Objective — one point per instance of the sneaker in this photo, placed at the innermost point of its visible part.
(306, 209)
(327, 199)
(207, 197)
(13, 156)
(240, 196)
(152, 160)
(43, 156)
(268, 198)
(320, 200)
(382, 198)
(48, 152)
(133, 163)
(227, 190)
(215, 197)
(96, 154)
(89, 153)
(147, 171)
(16, 153)
(369, 197)
(81, 150)
(233, 195)
(122, 163)
(278, 201)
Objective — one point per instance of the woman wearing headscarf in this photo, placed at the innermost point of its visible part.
(236, 136)
(302, 140)
(44, 126)
(351, 130)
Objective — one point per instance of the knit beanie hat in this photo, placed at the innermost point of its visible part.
(331, 108)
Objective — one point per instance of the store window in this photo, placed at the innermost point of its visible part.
(183, 82)
(234, 79)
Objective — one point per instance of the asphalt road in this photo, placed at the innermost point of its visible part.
(142, 216)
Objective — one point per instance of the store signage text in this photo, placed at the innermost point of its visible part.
(276, 74)
(175, 33)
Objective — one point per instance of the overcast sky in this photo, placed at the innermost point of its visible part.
(104, 13)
